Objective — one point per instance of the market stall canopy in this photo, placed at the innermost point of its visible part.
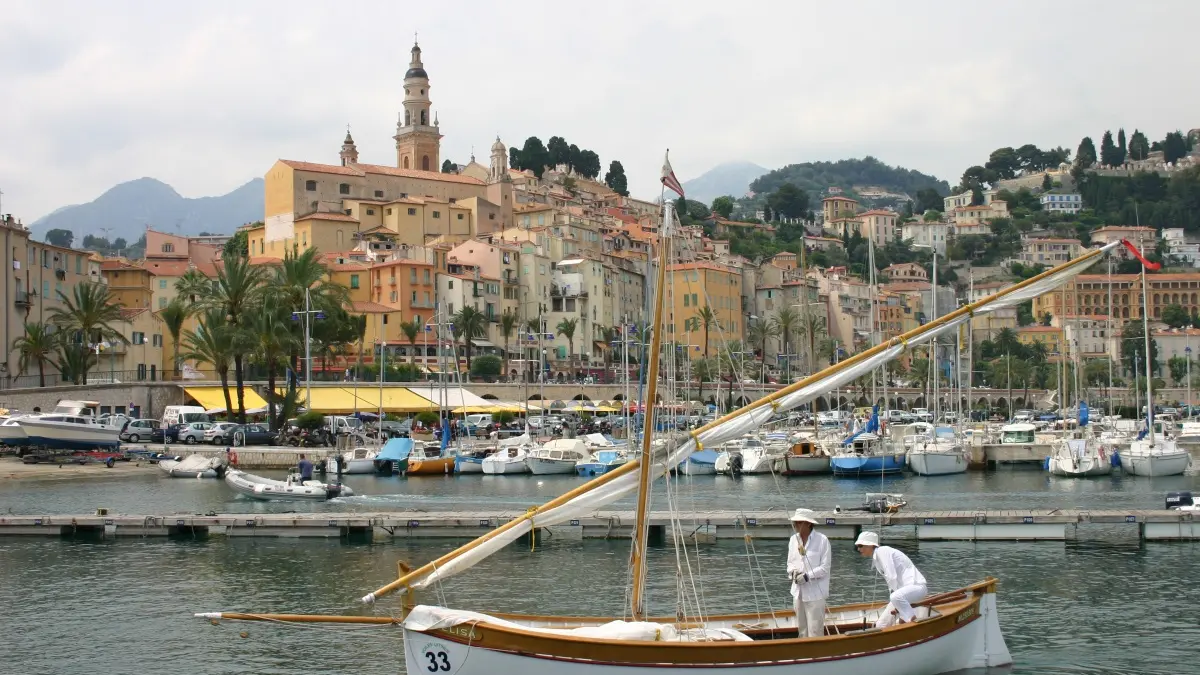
(212, 399)
(348, 399)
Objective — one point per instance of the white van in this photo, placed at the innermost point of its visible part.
(183, 414)
(478, 421)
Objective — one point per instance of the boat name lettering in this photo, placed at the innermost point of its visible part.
(437, 659)
(966, 614)
(464, 630)
(1131, 519)
(930, 521)
(574, 521)
(1026, 519)
(831, 521)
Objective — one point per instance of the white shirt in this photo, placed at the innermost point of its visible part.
(813, 559)
(897, 568)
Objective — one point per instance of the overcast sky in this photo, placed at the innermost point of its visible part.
(205, 96)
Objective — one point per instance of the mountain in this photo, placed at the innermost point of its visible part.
(816, 177)
(129, 207)
(730, 178)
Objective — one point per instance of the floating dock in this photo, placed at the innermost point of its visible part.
(1052, 525)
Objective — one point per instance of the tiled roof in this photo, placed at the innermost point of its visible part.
(364, 169)
(371, 307)
(328, 215)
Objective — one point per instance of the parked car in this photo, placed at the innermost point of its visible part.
(157, 435)
(192, 432)
(220, 433)
(922, 414)
(140, 430)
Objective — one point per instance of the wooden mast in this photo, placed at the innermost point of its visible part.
(642, 525)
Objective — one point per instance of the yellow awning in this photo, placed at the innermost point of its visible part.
(365, 399)
(472, 409)
(211, 398)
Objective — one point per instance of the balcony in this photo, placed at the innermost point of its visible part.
(557, 291)
(23, 300)
(510, 277)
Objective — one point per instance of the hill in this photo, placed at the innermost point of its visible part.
(129, 207)
(729, 178)
(816, 177)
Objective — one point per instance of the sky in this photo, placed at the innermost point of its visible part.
(206, 96)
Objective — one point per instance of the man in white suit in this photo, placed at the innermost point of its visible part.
(808, 564)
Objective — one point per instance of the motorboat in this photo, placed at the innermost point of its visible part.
(72, 426)
(932, 451)
(393, 457)
(360, 460)
(11, 432)
(292, 489)
(471, 461)
(1160, 456)
(429, 460)
(1080, 457)
(1189, 433)
(700, 463)
(601, 462)
(1018, 433)
(560, 455)
(806, 457)
(749, 455)
(866, 455)
(194, 466)
(506, 461)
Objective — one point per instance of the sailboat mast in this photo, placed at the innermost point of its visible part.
(874, 291)
(937, 372)
(1108, 336)
(642, 526)
(1149, 362)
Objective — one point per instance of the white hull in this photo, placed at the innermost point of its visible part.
(463, 466)
(12, 434)
(1087, 467)
(937, 463)
(505, 468)
(257, 487)
(1155, 464)
(542, 467)
(807, 465)
(359, 466)
(68, 436)
(193, 466)
(978, 644)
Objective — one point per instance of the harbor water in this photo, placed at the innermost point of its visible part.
(1104, 603)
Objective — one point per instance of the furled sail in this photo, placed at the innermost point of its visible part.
(623, 481)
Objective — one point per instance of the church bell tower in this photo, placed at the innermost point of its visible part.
(418, 141)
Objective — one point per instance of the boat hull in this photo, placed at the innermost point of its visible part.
(936, 463)
(359, 466)
(506, 468)
(545, 467)
(1087, 467)
(468, 464)
(691, 467)
(57, 436)
(1157, 464)
(966, 635)
(868, 465)
(266, 489)
(590, 469)
(13, 435)
(437, 466)
(796, 465)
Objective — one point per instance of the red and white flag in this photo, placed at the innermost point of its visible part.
(1138, 254)
(668, 176)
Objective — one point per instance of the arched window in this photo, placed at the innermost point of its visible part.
(406, 162)
(407, 118)
(423, 117)
(425, 162)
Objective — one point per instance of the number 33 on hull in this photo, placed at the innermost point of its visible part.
(953, 631)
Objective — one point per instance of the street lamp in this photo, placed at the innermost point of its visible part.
(308, 314)
(1188, 350)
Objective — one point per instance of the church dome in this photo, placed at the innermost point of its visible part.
(416, 72)
(498, 146)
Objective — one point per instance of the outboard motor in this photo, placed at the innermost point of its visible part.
(735, 464)
(876, 505)
(1176, 500)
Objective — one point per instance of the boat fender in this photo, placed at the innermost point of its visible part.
(1046, 464)
(110, 463)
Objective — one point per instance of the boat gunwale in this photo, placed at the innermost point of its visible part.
(962, 608)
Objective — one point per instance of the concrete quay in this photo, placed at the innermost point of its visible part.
(992, 525)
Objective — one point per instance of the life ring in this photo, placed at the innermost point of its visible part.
(233, 457)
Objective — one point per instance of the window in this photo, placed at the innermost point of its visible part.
(427, 303)
(437, 214)
(45, 259)
(541, 219)
(139, 338)
(162, 283)
(344, 188)
(304, 238)
(414, 297)
(460, 216)
(450, 285)
(168, 248)
(491, 216)
(393, 296)
(45, 288)
(687, 300)
(370, 212)
(353, 281)
(78, 264)
(426, 276)
(162, 303)
(412, 211)
(379, 194)
(157, 340)
(389, 211)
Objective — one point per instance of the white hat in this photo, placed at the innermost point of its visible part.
(867, 539)
(804, 516)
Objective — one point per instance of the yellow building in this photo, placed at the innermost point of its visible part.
(140, 356)
(692, 286)
(130, 285)
(836, 208)
(1051, 336)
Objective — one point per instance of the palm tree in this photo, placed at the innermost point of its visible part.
(1006, 342)
(299, 277)
(469, 323)
(90, 313)
(174, 315)
(508, 324)
(272, 339)
(74, 361)
(761, 331)
(811, 329)
(37, 345)
(411, 329)
(236, 290)
(191, 287)
(566, 328)
(704, 370)
(213, 342)
(788, 320)
(705, 318)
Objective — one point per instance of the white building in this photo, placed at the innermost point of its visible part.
(926, 235)
(1058, 202)
(1180, 248)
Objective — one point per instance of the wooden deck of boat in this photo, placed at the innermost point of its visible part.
(960, 525)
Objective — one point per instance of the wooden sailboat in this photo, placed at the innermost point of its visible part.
(954, 630)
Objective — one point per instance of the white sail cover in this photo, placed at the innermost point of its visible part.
(756, 414)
